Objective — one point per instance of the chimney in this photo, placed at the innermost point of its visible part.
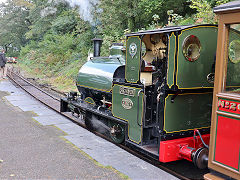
(97, 42)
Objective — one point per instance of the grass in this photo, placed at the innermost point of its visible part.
(63, 81)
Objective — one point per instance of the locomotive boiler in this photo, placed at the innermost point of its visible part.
(154, 94)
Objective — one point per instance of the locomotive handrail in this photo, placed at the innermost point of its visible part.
(138, 107)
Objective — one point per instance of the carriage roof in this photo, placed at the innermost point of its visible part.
(231, 6)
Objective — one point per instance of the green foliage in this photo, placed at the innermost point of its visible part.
(66, 22)
(26, 49)
(204, 10)
(150, 7)
(46, 16)
(13, 25)
(58, 42)
(187, 21)
(53, 53)
(173, 19)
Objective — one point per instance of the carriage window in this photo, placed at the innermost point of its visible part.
(191, 48)
(233, 66)
(234, 51)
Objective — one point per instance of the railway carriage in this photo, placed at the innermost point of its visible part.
(154, 94)
(224, 156)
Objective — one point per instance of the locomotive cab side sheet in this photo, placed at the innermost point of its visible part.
(190, 76)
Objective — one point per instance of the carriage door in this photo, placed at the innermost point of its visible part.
(128, 98)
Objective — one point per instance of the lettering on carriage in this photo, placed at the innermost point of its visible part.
(221, 103)
(229, 105)
(233, 106)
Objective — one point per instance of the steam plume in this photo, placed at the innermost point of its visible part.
(85, 7)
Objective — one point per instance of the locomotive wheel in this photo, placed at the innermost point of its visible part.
(117, 132)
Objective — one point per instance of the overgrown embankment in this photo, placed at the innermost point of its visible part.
(55, 60)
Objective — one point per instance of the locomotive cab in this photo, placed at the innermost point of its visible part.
(167, 90)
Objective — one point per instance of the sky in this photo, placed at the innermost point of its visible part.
(1, 1)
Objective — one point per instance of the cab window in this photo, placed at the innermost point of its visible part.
(233, 60)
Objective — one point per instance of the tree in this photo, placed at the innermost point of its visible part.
(42, 15)
(204, 10)
(116, 16)
(14, 24)
(65, 22)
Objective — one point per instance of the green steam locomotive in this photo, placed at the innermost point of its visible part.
(154, 94)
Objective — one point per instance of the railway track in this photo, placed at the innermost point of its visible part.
(181, 169)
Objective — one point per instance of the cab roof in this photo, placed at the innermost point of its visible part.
(166, 29)
(231, 6)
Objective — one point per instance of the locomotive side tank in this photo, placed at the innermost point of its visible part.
(158, 98)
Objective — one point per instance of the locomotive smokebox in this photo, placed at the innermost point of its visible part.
(97, 42)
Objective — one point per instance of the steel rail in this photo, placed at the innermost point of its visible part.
(38, 88)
